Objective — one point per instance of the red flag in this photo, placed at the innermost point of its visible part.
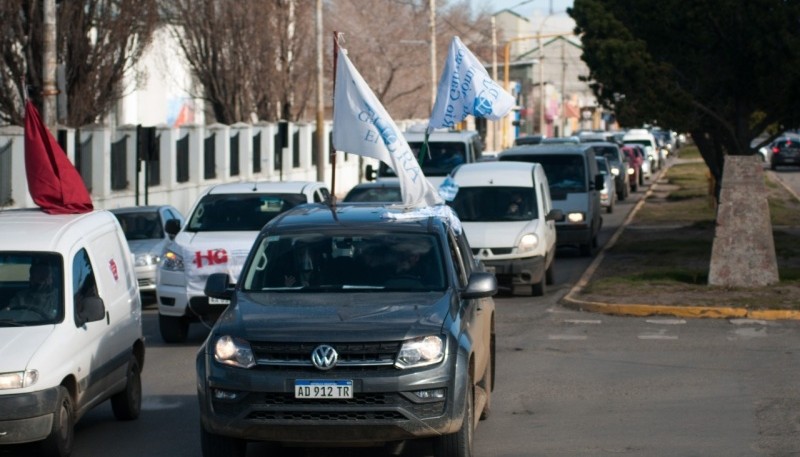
(53, 181)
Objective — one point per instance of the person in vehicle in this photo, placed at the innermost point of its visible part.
(41, 297)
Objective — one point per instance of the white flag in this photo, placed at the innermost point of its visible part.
(362, 126)
(466, 88)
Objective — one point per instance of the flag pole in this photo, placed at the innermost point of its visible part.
(424, 149)
(333, 105)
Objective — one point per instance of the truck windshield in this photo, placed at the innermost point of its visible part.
(371, 260)
(495, 204)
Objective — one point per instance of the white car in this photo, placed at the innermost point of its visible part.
(70, 326)
(217, 237)
(506, 211)
(144, 228)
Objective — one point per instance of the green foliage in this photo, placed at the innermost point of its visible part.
(725, 68)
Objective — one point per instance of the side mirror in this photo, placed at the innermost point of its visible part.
(90, 309)
(599, 182)
(218, 286)
(481, 284)
(554, 215)
(370, 173)
(172, 227)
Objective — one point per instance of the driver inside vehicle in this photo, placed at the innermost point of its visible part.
(41, 297)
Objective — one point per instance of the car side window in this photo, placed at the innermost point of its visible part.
(84, 283)
(458, 260)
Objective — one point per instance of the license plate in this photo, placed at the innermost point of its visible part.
(312, 389)
(218, 301)
(490, 269)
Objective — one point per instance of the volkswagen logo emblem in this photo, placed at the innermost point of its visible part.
(324, 357)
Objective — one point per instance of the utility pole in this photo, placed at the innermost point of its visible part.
(320, 99)
(49, 89)
(433, 53)
(542, 128)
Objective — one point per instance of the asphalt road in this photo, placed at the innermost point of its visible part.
(569, 384)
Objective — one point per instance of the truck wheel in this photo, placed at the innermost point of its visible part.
(59, 442)
(173, 329)
(127, 404)
(221, 446)
(459, 444)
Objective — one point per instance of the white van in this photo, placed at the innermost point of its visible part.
(648, 141)
(70, 325)
(217, 237)
(507, 214)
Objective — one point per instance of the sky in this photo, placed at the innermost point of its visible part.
(524, 7)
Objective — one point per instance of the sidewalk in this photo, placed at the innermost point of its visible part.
(571, 299)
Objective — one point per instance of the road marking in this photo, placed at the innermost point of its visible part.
(748, 322)
(653, 336)
(567, 337)
(583, 321)
(666, 321)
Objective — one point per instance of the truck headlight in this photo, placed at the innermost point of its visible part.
(615, 171)
(575, 217)
(235, 352)
(173, 261)
(420, 352)
(18, 379)
(528, 242)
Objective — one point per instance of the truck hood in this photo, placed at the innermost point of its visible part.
(19, 344)
(337, 316)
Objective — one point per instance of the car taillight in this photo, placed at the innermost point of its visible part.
(775, 149)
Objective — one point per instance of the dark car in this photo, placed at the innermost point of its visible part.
(353, 326)
(528, 139)
(575, 185)
(618, 165)
(785, 151)
(385, 191)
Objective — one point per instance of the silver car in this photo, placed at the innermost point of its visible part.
(144, 230)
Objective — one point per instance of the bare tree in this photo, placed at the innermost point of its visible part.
(99, 41)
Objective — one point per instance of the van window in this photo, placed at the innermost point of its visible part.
(495, 204)
(31, 288)
(84, 283)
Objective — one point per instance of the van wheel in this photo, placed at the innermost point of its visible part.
(459, 444)
(127, 404)
(173, 329)
(538, 289)
(59, 442)
(550, 274)
(488, 381)
(221, 446)
(586, 249)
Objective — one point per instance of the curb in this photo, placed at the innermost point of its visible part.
(713, 312)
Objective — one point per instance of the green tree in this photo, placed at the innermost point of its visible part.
(723, 70)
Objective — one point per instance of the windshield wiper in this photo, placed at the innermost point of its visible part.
(10, 323)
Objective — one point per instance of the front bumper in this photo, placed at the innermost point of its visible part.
(526, 271)
(567, 235)
(384, 408)
(27, 417)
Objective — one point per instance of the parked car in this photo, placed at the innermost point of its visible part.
(147, 239)
(785, 151)
(219, 233)
(506, 211)
(634, 167)
(364, 326)
(446, 150)
(575, 185)
(608, 194)
(617, 164)
(385, 191)
(71, 327)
